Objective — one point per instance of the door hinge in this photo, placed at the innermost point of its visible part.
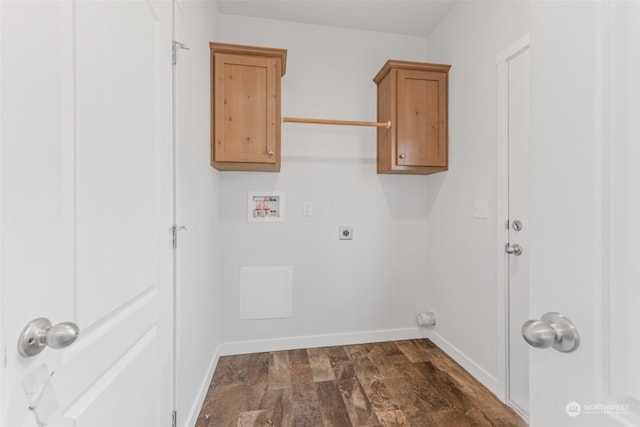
(174, 51)
(174, 234)
(174, 419)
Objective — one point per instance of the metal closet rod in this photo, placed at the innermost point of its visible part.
(336, 122)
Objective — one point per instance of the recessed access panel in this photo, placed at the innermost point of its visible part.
(266, 292)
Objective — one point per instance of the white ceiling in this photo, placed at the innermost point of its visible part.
(411, 17)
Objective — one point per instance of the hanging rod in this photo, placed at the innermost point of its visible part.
(336, 122)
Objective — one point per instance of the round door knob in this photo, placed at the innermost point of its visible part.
(39, 333)
(552, 330)
(401, 156)
(270, 153)
(538, 334)
(513, 249)
(61, 335)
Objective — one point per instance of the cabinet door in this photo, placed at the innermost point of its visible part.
(246, 110)
(422, 118)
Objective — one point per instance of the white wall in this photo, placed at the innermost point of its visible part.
(461, 253)
(197, 189)
(375, 282)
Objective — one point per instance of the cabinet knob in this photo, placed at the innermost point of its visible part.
(401, 156)
(270, 153)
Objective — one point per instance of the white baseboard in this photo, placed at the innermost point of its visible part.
(192, 417)
(312, 341)
(479, 373)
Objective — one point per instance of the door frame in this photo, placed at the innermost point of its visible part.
(502, 215)
(3, 351)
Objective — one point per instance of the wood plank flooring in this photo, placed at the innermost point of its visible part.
(400, 383)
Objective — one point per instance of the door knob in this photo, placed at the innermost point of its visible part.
(39, 334)
(513, 249)
(553, 330)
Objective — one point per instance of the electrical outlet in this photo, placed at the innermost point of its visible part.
(345, 232)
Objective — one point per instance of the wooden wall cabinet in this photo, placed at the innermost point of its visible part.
(245, 107)
(413, 95)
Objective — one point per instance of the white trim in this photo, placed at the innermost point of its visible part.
(605, 59)
(477, 371)
(3, 348)
(615, 23)
(514, 49)
(192, 417)
(174, 218)
(502, 215)
(312, 341)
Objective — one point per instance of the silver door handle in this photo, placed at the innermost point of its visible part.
(553, 330)
(513, 249)
(39, 334)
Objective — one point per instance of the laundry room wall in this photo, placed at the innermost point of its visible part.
(371, 287)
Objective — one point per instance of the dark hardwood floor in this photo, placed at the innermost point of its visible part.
(400, 383)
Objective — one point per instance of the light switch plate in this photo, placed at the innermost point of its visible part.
(307, 208)
(481, 209)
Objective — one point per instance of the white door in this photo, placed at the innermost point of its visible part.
(86, 210)
(585, 205)
(518, 70)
